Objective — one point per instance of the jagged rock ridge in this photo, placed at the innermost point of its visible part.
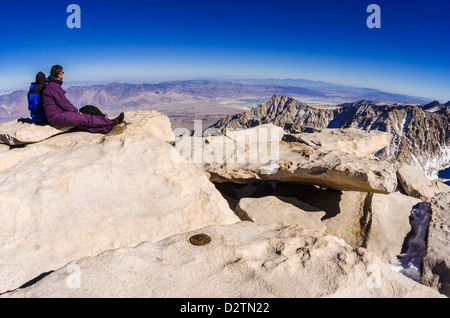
(420, 136)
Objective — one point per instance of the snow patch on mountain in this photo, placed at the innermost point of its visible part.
(409, 262)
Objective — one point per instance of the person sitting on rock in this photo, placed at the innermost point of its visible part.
(61, 113)
(35, 99)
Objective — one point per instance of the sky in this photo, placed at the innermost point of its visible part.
(155, 41)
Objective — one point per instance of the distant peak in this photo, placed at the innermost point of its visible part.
(434, 103)
(279, 99)
(362, 102)
(366, 102)
(284, 100)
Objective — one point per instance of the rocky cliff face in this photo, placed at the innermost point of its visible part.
(420, 136)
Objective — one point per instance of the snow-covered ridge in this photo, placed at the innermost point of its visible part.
(441, 162)
(409, 263)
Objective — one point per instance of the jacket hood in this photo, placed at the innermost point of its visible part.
(39, 85)
(54, 79)
(40, 78)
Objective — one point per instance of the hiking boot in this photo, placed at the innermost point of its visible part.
(119, 119)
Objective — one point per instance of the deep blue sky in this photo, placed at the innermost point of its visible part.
(145, 40)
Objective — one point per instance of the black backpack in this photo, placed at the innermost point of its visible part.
(91, 110)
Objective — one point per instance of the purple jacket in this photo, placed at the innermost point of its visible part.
(54, 99)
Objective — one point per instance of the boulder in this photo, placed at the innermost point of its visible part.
(350, 220)
(251, 156)
(390, 224)
(441, 187)
(12, 157)
(3, 147)
(345, 214)
(243, 260)
(378, 222)
(415, 183)
(87, 193)
(272, 209)
(154, 122)
(357, 142)
(436, 263)
(24, 131)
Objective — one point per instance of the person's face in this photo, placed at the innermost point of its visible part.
(61, 75)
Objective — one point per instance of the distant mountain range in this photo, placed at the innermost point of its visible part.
(161, 96)
(341, 93)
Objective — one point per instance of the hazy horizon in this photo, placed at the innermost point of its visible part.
(68, 84)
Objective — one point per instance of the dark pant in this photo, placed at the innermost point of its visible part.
(91, 123)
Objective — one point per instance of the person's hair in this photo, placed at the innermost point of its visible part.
(56, 70)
